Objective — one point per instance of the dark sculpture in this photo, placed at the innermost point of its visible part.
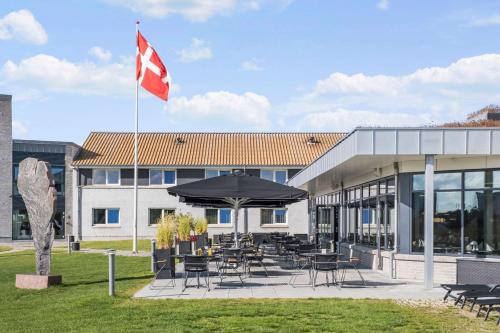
(36, 186)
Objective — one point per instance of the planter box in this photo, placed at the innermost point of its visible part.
(34, 281)
(184, 247)
(168, 256)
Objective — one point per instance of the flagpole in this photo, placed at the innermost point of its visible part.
(134, 241)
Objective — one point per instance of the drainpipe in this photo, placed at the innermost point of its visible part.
(396, 215)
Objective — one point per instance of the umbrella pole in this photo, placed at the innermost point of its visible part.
(236, 211)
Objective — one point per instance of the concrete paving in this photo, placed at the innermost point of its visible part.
(277, 286)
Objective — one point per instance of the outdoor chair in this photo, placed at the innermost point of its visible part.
(254, 255)
(461, 288)
(198, 265)
(160, 268)
(232, 264)
(303, 238)
(326, 263)
(353, 263)
(476, 296)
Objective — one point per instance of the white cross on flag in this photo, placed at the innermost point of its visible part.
(150, 71)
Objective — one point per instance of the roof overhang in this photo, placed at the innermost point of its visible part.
(366, 149)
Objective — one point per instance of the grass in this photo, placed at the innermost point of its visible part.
(142, 245)
(5, 248)
(81, 304)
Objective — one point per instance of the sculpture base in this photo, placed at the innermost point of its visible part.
(33, 281)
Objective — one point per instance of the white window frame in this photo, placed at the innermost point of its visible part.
(274, 173)
(163, 177)
(217, 170)
(274, 217)
(106, 176)
(162, 214)
(218, 218)
(106, 224)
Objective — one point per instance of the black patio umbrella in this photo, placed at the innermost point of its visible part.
(237, 190)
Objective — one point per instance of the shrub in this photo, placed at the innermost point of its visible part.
(166, 230)
(200, 225)
(184, 227)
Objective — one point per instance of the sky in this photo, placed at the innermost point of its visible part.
(247, 65)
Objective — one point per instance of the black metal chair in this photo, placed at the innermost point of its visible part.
(198, 265)
(162, 267)
(232, 263)
(326, 263)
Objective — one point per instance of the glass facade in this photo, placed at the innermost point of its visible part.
(370, 208)
(21, 229)
(466, 212)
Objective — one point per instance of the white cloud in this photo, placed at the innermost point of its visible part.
(18, 128)
(23, 26)
(48, 73)
(482, 69)
(100, 53)
(347, 120)
(251, 65)
(198, 50)
(428, 95)
(383, 4)
(195, 10)
(485, 21)
(249, 108)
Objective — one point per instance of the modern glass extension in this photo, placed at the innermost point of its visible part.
(466, 213)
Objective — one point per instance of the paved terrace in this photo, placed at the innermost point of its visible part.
(276, 286)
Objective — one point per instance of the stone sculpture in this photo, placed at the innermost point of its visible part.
(37, 188)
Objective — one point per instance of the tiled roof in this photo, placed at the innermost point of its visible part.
(205, 149)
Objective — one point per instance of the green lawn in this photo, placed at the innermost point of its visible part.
(5, 248)
(82, 304)
(142, 245)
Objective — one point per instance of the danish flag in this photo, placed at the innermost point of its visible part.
(150, 71)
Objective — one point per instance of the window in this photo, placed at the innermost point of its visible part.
(106, 176)
(273, 216)
(278, 176)
(155, 177)
(58, 173)
(218, 216)
(169, 177)
(210, 173)
(470, 207)
(155, 214)
(103, 216)
(162, 177)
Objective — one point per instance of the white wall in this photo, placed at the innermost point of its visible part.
(122, 197)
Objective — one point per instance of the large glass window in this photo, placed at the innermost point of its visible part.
(472, 206)
(482, 221)
(58, 173)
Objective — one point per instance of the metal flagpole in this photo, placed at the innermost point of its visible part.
(134, 241)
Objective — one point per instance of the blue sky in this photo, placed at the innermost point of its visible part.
(249, 65)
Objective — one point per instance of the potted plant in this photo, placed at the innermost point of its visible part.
(201, 230)
(184, 234)
(165, 236)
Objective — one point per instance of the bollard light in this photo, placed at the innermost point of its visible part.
(153, 249)
(111, 272)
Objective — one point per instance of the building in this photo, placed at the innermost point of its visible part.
(103, 174)
(14, 222)
(377, 190)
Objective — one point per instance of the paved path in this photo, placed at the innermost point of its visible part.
(276, 286)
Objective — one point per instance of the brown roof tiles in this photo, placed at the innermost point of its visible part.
(205, 149)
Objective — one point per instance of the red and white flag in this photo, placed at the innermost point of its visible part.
(150, 71)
